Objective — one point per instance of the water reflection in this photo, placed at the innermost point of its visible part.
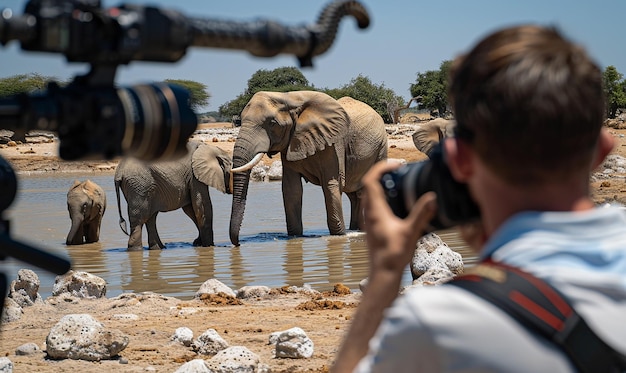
(267, 256)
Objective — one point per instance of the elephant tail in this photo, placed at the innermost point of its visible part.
(119, 207)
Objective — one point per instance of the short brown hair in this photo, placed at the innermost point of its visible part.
(530, 103)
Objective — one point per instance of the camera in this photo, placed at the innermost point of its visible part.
(404, 186)
(148, 121)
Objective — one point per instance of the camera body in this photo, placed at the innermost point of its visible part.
(404, 186)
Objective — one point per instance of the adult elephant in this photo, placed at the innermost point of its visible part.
(429, 134)
(327, 142)
(86, 204)
(170, 185)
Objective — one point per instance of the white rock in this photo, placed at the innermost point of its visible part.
(292, 343)
(252, 292)
(183, 335)
(6, 365)
(81, 337)
(194, 366)
(209, 343)
(234, 359)
(80, 284)
(214, 286)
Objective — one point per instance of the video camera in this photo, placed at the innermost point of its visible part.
(95, 119)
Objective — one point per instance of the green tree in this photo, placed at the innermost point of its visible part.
(377, 96)
(282, 79)
(432, 87)
(23, 83)
(198, 94)
(614, 89)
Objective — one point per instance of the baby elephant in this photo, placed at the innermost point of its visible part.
(86, 202)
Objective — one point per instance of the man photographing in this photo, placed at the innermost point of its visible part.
(529, 107)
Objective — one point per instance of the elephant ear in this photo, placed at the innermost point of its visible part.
(426, 137)
(446, 126)
(210, 165)
(320, 121)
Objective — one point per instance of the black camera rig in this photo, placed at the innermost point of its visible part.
(95, 119)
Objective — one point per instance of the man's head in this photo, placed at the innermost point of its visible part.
(530, 103)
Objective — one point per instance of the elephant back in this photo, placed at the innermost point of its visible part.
(368, 137)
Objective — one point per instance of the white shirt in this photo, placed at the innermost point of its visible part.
(446, 329)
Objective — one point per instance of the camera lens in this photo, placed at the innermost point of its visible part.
(400, 187)
(158, 121)
(404, 186)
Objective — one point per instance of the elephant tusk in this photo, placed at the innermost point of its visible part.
(249, 165)
(245, 167)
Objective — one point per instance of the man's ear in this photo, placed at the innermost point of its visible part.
(606, 143)
(459, 157)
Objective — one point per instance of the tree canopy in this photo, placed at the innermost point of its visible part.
(377, 96)
(615, 90)
(432, 87)
(282, 79)
(198, 94)
(285, 79)
(23, 83)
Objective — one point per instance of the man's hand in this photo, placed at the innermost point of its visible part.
(392, 240)
(391, 243)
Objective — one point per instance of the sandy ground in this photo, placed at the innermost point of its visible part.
(248, 323)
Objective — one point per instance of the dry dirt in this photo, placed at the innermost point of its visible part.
(247, 323)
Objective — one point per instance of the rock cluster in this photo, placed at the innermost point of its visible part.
(434, 262)
(82, 337)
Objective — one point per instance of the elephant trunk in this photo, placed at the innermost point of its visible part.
(246, 167)
(250, 146)
(240, 191)
(75, 236)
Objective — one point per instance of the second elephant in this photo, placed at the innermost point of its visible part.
(170, 185)
(429, 134)
(327, 142)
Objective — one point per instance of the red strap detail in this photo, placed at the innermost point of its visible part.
(553, 297)
(536, 310)
(471, 277)
(546, 290)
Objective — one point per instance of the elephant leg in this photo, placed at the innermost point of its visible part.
(292, 201)
(356, 213)
(201, 212)
(188, 210)
(334, 210)
(205, 237)
(92, 231)
(154, 241)
(134, 239)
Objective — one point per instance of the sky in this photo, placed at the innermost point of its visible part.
(405, 37)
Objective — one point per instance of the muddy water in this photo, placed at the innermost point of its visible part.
(266, 256)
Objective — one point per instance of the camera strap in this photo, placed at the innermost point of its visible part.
(544, 310)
